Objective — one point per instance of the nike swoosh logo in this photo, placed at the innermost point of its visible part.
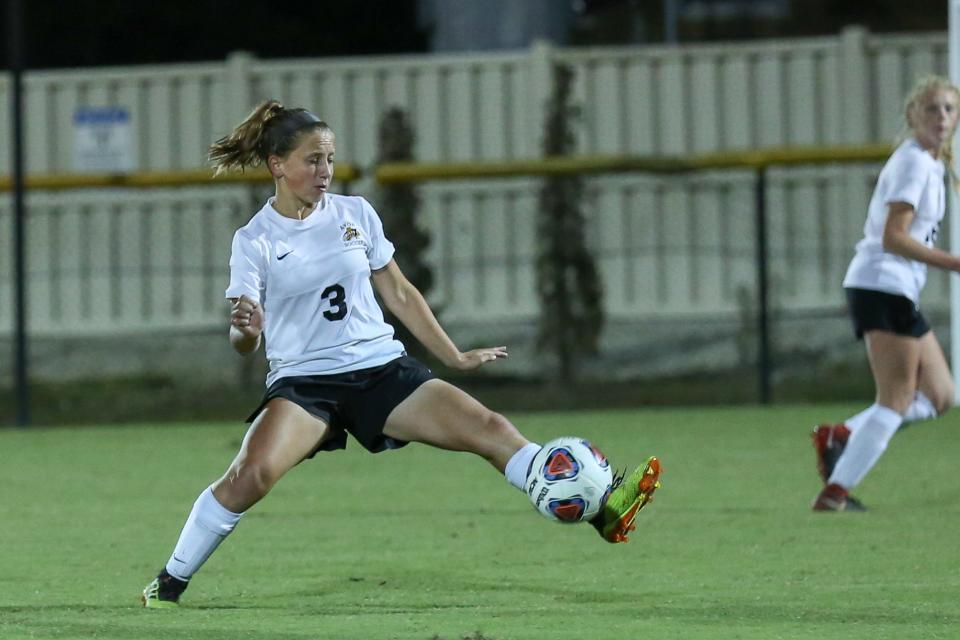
(285, 255)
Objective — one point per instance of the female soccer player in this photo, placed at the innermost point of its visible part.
(883, 284)
(302, 278)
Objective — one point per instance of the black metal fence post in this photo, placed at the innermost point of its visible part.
(764, 366)
(15, 52)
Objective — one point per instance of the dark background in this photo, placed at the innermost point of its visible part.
(85, 33)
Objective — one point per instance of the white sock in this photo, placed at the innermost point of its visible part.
(519, 464)
(856, 421)
(865, 446)
(920, 409)
(206, 527)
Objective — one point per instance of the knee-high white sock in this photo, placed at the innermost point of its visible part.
(865, 446)
(920, 409)
(206, 527)
(518, 465)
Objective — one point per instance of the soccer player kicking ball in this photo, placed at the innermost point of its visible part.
(302, 277)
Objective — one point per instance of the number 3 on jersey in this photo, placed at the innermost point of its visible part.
(338, 302)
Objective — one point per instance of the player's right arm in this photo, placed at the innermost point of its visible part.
(246, 324)
(245, 292)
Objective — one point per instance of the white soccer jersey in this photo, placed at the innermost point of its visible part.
(312, 277)
(913, 176)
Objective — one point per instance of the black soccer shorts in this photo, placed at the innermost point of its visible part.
(877, 310)
(356, 402)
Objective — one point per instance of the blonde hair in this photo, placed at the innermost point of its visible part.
(270, 129)
(921, 89)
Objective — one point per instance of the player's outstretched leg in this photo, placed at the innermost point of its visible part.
(629, 495)
(163, 592)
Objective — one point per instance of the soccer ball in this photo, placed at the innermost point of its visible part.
(569, 480)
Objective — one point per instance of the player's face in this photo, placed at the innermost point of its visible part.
(308, 169)
(934, 118)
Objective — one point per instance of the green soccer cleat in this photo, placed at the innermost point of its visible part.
(163, 592)
(616, 518)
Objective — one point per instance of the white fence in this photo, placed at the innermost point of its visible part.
(126, 260)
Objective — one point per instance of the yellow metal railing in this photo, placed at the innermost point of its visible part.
(399, 172)
(148, 179)
(753, 159)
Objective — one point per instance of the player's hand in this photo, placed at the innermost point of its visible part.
(477, 357)
(247, 316)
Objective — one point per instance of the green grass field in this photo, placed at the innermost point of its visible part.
(433, 545)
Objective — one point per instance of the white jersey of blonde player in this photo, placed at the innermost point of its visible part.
(312, 277)
(915, 177)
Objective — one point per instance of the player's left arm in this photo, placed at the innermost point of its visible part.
(897, 239)
(407, 303)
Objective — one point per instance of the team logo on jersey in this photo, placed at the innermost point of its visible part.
(351, 235)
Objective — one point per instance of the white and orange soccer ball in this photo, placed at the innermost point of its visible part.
(569, 480)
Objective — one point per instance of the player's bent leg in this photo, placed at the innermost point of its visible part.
(934, 380)
(443, 416)
(630, 494)
(895, 364)
(281, 436)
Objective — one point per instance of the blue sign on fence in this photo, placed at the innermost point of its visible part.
(102, 140)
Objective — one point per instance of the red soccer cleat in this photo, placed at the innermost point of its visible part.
(829, 441)
(833, 497)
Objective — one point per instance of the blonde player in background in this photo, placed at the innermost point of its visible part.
(883, 285)
(302, 277)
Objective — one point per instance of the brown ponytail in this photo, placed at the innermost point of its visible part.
(239, 149)
(270, 129)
